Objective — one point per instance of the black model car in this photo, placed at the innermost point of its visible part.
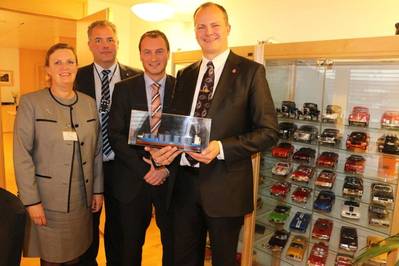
(353, 187)
(286, 129)
(306, 133)
(388, 144)
(357, 140)
(288, 109)
(348, 238)
(278, 240)
(330, 136)
(310, 112)
(304, 154)
(379, 215)
(333, 114)
(382, 194)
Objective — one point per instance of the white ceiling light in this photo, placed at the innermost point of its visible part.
(153, 11)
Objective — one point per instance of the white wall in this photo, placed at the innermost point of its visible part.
(10, 61)
(255, 20)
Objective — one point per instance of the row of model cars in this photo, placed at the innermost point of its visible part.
(356, 140)
(360, 115)
(319, 253)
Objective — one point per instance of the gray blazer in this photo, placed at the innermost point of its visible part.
(43, 159)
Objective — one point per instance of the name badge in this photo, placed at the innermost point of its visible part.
(70, 135)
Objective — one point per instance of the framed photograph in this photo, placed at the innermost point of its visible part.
(6, 78)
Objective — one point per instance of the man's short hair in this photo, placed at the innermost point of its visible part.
(100, 23)
(154, 34)
(208, 4)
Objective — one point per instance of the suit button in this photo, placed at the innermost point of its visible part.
(82, 143)
(76, 125)
(87, 181)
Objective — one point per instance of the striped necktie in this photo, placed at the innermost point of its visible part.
(105, 105)
(156, 108)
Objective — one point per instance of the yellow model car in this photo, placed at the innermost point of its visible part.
(375, 241)
(296, 250)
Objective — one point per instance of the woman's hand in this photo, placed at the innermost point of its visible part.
(96, 202)
(36, 213)
(164, 156)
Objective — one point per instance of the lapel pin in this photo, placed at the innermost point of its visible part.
(234, 71)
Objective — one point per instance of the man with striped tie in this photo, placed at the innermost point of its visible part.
(98, 80)
(140, 185)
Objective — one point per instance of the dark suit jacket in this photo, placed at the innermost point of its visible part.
(130, 168)
(244, 120)
(84, 81)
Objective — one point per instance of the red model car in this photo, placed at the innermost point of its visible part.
(326, 179)
(343, 260)
(357, 140)
(283, 150)
(322, 229)
(390, 119)
(327, 159)
(318, 255)
(360, 116)
(355, 164)
(282, 169)
(303, 173)
(301, 194)
(280, 189)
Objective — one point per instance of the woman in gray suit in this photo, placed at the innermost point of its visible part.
(58, 163)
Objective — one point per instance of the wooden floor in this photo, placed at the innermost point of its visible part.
(152, 252)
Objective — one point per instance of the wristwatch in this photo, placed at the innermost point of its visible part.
(155, 164)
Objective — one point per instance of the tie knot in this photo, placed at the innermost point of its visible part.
(106, 72)
(209, 64)
(155, 87)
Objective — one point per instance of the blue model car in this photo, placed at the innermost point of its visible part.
(300, 221)
(324, 201)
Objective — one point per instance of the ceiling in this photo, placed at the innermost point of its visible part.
(27, 31)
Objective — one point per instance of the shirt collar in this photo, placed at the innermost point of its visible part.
(149, 81)
(100, 68)
(218, 60)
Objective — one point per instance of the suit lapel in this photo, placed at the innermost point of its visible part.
(186, 93)
(168, 92)
(225, 84)
(140, 94)
(123, 72)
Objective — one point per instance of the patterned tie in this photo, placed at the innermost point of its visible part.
(205, 94)
(155, 108)
(104, 110)
(204, 99)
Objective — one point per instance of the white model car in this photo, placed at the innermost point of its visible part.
(351, 209)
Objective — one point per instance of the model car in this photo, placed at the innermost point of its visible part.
(360, 116)
(310, 112)
(353, 187)
(381, 194)
(283, 150)
(355, 164)
(301, 194)
(286, 129)
(343, 260)
(326, 179)
(373, 241)
(304, 154)
(351, 209)
(280, 214)
(318, 255)
(280, 189)
(322, 229)
(288, 109)
(379, 215)
(327, 159)
(357, 140)
(300, 221)
(348, 238)
(278, 240)
(302, 173)
(390, 119)
(324, 201)
(333, 114)
(282, 169)
(330, 136)
(306, 133)
(388, 144)
(296, 249)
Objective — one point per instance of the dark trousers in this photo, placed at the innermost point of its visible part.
(112, 232)
(135, 218)
(191, 223)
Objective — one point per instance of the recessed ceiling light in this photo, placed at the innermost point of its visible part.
(153, 11)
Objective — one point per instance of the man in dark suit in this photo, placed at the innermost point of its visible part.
(214, 189)
(140, 185)
(103, 43)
